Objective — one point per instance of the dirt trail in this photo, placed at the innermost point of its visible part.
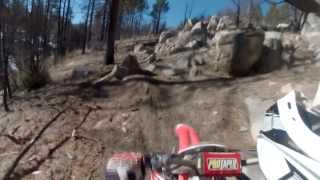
(134, 116)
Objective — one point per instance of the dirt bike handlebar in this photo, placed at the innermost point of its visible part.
(207, 160)
(192, 159)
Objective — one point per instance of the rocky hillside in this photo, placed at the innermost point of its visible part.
(311, 29)
(210, 75)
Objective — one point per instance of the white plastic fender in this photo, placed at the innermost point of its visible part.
(308, 167)
(301, 135)
(271, 160)
(316, 100)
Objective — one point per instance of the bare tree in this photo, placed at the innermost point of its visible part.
(159, 8)
(46, 28)
(64, 8)
(104, 21)
(91, 19)
(59, 31)
(188, 11)
(299, 18)
(66, 22)
(237, 4)
(4, 68)
(113, 17)
(85, 33)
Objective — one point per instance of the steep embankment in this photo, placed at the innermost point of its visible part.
(135, 116)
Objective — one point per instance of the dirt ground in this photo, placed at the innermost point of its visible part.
(132, 116)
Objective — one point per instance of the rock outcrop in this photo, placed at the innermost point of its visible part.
(225, 23)
(225, 49)
(311, 32)
(238, 51)
(130, 66)
(166, 35)
(311, 29)
(272, 53)
(228, 51)
(213, 24)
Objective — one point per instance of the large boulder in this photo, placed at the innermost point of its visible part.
(225, 23)
(169, 46)
(249, 51)
(138, 48)
(183, 38)
(130, 66)
(188, 26)
(195, 38)
(198, 28)
(312, 24)
(166, 35)
(311, 32)
(194, 44)
(226, 46)
(272, 53)
(311, 29)
(213, 24)
(141, 49)
(296, 50)
(238, 51)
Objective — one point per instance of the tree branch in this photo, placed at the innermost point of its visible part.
(29, 146)
(237, 3)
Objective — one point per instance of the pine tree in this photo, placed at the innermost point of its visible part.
(113, 17)
(277, 15)
(256, 14)
(272, 16)
(159, 8)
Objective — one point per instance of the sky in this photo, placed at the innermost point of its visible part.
(200, 7)
(177, 8)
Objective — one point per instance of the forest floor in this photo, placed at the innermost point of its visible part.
(132, 116)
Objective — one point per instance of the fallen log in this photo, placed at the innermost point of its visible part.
(107, 77)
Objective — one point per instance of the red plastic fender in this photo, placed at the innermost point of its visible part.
(187, 136)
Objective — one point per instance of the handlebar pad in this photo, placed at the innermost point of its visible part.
(221, 164)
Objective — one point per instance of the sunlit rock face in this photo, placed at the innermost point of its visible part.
(311, 29)
(238, 51)
(311, 32)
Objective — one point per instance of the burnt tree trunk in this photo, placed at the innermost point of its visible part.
(7, 77)
(158, 22)
(4, 73)
(113, 17)
(104, 21)
(91, 20)
(45, 45)
(4, 78)
(237, 5)
(238, 16)
(6, 67)
(59, 27)
(65, 12)
(119, 25)
(66, 25)
(85, 33)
